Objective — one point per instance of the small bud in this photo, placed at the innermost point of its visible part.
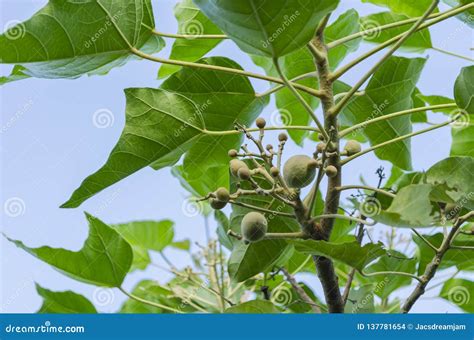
(260, 122)
(331, 171)
(282, 137)
(222, 194)
(244, 173)
(320, 147)
(216, 204)
(269, 147)
(232, 153)
(274, 171)
(321, 138)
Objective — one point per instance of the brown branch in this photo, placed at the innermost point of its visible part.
(433, 266)
(324, 266)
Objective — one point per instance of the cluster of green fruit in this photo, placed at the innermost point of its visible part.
(299, 171)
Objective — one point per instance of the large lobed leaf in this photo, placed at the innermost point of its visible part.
(104, 259)
(163, 124)
(269, 28)
(66, 39)
(389, 90)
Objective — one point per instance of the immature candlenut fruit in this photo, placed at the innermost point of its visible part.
(222, 194)
(216, 204)
(235, 165)
(299, 171)
(253, 227)
(331, 171)
(352, 147)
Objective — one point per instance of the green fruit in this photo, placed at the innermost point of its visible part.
(216, 204)
(320, 147)
(254, 226)
(222, 194)
(352, 147)
(243, 173)
(235, 165)
(331, 171)
(299, 171)
(274, 171)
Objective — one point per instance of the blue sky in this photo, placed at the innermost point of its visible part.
(49, 144)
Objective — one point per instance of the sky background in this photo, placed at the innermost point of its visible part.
(49, 144)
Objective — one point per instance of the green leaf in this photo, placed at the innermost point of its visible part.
(291, 111)
(463, 140)
(411, 207)
(66, 302)
(152, 291)
(361, 300)
(104, 259)
(346, 24)
(190, 21)
(268, 28)
(350, 253)
(67, 39)
(418, 42)
(462, 259)
(161, 125)
(453, 181)
(459, 292)
(418, 117)
(400, 179)
(389, 90)
(464, 89)
(223, 226)
(152, 235)
(409, 8)
(253, 307)
(395, 262)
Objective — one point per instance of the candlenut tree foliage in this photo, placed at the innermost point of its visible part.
(207, 123)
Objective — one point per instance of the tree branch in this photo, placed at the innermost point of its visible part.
(364, 124)
(432, 267)
(143, 55)
(395, 140)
